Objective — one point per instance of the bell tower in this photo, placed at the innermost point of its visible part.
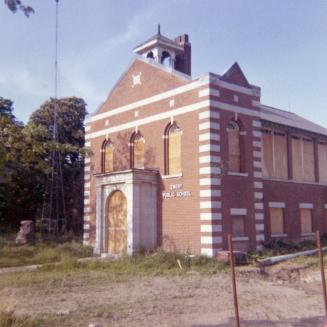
(171, 53)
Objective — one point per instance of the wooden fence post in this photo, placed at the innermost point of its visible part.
(232, 266)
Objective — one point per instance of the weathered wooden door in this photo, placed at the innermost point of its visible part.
(117, 223)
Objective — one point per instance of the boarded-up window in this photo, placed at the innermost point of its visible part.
(276, 221)
(109, 157)
(234, 152)
(280, 155)
(322, 162)
(308, 160)
(302, 159)
(139, 151)
(297, 158)
(238, 226)
(267, 148)
(274, 154)
(306, 221)
(174, 150)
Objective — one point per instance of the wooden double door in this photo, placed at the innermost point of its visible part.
(117, 223)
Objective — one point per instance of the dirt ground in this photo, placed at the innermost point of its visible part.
(285, 295)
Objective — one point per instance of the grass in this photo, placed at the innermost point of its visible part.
(12, 254)
(9, 320)
(72, 273)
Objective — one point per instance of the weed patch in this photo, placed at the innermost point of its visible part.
(9, 320)
(12, 254)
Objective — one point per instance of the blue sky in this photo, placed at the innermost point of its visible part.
(281, 46)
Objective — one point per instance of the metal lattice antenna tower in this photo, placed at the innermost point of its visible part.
(53, 218)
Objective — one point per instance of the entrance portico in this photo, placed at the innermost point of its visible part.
(126, 211)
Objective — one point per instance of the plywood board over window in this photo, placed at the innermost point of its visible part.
(238, 226)
(175, 150)
(109, 157)
(276, 221)
(280, 155)
(308, 160)
(267, 149)
(322, 162)
(306, 221)
(297, 158)
(234, 149)
(139, 152)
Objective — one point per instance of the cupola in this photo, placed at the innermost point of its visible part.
(171, 53)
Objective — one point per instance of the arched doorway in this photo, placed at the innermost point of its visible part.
(117, 223)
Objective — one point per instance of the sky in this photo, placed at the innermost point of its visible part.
(281, 46)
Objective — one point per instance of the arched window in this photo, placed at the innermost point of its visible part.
(107, 156)
(150, 55)
(173, 148)
(166, 59)
(137, 153)
(234, 149)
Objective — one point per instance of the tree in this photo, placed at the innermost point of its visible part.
(11, 169)
(25, 160)
(71, 113)
(15, 5)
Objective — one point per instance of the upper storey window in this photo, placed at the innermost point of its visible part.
(234, 149)
(322, 162)
(173, 150)
(302, 159)
(107, 156)
(137, 153)
(274, 154)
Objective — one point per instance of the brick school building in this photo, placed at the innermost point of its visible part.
(181, 162)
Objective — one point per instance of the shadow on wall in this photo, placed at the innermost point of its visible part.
(149, 157)
(304, 322)
(122, 151)
(159, 212)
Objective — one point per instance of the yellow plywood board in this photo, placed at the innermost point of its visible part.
(276, 221)
(117, 223)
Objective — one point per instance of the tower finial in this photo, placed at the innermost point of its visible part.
(159, 33)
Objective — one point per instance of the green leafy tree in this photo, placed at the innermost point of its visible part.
(71, 113)
(12, 183)
(15, 5)
(25, 160)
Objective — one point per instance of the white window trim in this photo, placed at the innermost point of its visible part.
(240, 238)
(231, 173)
(277, 205)
(172, 176)
(238, 211)
(308, 234)
(279, 235)
(306, 205)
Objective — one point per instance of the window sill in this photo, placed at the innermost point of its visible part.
(172, 176)
(279, 235)
(240, 238)
(231, 173)
(307, 234)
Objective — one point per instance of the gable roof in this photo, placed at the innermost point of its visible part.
(172, 77)
(235, 75)
(290, 119)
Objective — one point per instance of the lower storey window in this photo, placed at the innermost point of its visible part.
(276, 221)
(306, 221)
(238, 226)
